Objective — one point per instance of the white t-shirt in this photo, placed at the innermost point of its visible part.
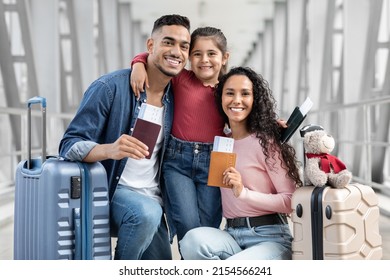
(142, 175)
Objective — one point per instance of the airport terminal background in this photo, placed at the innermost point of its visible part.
(334, 51)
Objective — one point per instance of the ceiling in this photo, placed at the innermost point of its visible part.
(240, 20)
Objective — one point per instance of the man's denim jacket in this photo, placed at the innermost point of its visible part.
(109, 109)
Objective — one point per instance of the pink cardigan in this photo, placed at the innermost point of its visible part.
(265, 191)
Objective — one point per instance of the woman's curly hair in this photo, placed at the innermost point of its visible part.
(262, 121)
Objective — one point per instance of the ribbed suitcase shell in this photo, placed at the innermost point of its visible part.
(349, 228)
(45, 224)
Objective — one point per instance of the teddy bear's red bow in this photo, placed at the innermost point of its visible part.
(328, 161)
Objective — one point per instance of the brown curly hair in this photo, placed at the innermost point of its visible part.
(262, 121)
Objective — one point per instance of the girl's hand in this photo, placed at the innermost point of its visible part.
(138, 78)
(232, 179)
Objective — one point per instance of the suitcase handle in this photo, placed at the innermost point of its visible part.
(31, 101)
(77, 233)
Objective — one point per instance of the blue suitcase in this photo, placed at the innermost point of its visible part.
(61, 207)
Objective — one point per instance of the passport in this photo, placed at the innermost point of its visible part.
(219, 162)
(147, 132)
(295, 120)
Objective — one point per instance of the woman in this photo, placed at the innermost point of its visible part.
(261, 184)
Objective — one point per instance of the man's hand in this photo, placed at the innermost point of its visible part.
(124, 146)
(127, 146)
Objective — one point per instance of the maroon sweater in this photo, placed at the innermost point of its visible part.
(196, 117)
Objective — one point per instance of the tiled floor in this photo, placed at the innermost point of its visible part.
(6, 240)
(6, 226)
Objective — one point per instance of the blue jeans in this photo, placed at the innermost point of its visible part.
(270, 242)
(188, 201)
(138, 222)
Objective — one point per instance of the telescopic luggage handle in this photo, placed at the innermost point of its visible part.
(42, 101)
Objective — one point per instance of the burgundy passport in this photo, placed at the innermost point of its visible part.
(147, 132)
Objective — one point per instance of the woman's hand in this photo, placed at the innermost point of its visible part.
(138, 78)
(232, 179)
(282, 123)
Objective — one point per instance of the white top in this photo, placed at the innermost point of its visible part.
(142, 175)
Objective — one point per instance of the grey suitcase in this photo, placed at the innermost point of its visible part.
(61, 207)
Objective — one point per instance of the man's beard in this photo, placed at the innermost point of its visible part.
(165, 72)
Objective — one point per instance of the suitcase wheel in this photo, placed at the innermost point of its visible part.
(328, 212)
(299, 210)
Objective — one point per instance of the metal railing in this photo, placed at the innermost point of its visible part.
(321, 116)
(367, 143)
(369, 118)
(56, 129)
(9, 155)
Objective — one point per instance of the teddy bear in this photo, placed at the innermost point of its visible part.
(321, 167)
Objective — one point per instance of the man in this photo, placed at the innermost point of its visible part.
(101, 129)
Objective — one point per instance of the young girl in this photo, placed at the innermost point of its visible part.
(188, 201)
(261, 184)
